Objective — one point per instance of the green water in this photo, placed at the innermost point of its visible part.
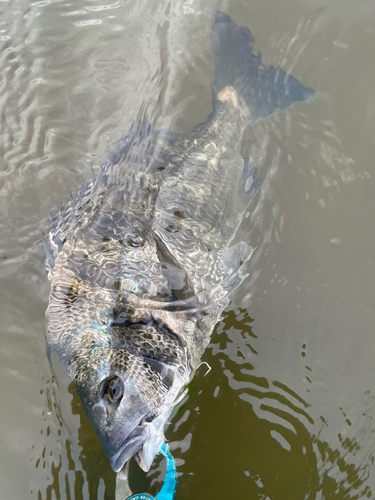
(287, 410)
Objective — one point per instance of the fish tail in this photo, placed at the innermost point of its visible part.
(263, 89)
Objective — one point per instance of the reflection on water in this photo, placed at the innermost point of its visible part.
(287, 411)
(272, 453)
(72, 460)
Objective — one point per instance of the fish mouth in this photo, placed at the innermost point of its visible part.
(144, 441)
(132, 444)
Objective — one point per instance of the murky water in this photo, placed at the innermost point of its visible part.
(287, 410)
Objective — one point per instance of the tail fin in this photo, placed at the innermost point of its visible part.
(264, 89)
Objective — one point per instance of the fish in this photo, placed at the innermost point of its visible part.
(142, 261)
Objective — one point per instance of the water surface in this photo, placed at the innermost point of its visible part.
(287, 410)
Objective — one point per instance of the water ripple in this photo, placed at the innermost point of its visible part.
(288, 409)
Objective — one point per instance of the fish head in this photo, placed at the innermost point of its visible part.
(128, 398)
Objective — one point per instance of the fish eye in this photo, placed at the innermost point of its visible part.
(112, 390)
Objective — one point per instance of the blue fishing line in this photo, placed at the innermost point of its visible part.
(170, 481)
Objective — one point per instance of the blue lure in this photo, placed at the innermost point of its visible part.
(168, 489)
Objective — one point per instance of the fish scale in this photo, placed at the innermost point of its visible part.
(120, 359)
(142, 261)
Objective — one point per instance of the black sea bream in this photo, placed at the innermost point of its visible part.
(141, 263)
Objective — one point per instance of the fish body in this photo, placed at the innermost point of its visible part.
(142, 262)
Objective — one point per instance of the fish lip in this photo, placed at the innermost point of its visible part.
(147, 433)
(129, 447)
